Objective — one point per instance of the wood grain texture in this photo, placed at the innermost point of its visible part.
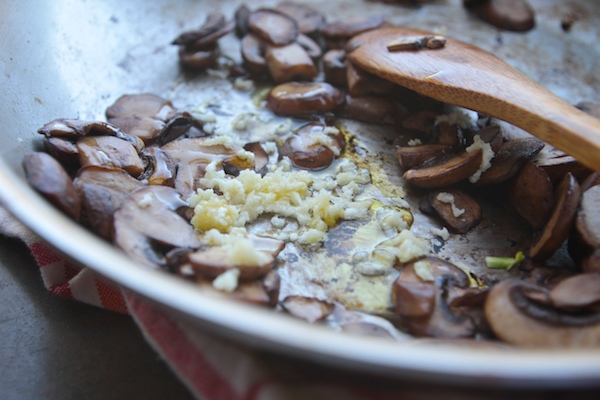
(464, 75)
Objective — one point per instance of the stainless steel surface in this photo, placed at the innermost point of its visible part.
(74, 58)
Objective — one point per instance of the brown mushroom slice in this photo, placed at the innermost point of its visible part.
(308, 19)
(213, 23)
(413, 156)
(252, 292)
(362, 83)
(109, 151)
(448, 134)
(148, 219)
(307, 308)
(241, 16)
(531, 195)
(584, 242)
(511, 15)
(459, 211)
(261, 158)
(422, 122)
(213, 261)
(48, 177)
(509, 160)
(493, 135)
(334, 67)
(431, 316)
(253, 53)
(192, 155)
(272, 26)
(556, 163)
(337, 33)
(556, 230)
(579, 291)
(182, 124)
(199, 59)
(517, 319)
(290, 62)
(64, 151)
(371, 109)
(311, 47)
(145, 104)
(312, 148)
(75, 128)
(160, 167)
(298, 99)
(143, 127)
(102, 191)
(445, 171)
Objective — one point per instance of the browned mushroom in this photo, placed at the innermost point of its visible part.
(49, 178)
(422, 122)
(557, 163)
(459, 211)
(372, 109)
(298, 99)
(413, 156)
(511, 15)
(531, 195)
(145, 104)
(261, 158)
(361, 83)
(253, 54)
(523, 313)
(199, 59)
(311, 47)
(448, 134)
(559, 224)
(308, 19)
(312, 148)
(445, 171)
(192, 155)
(509, 160)
(274, 27)
(334, 67)
(213, 23)
(337, 33)
(73, 129)
(64, 151)
(491, 134)
(576, 292)
(160, 167)
(102, 191)
(308, 308)
(585, 239)
(109, 151)
(241, 16)
(421, 294)
(147, 223)
(290, 62)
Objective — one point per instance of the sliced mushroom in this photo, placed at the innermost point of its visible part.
(261, 158)
(459, 211)
(362, 83)
(531, 194)
(297, 99)
(556, 163)
(145, 128)
(148, 222)
(422, 122)
(413, 156)
(102, 191)
(511, 15)
(445, 171)
(372, 109)
(308, 19)
(145, 104)
(337, 33)
(213, 23)
(75, 128)
(509, 160)
(160, 167)
(241, 17)
(334, 67)
(253, 54)
(274, 27)
(517, 316)
(213, 261)
(312, 148)
(577, 292)
(48, 177)
(491, 134)
(448, 134)
(584, 242)
(421, 299)
(109, 151)
(199, 59)
(64, 151)
(308, 308)
(181, 124)
(559, 224)
(192, 155)
(290, 62)
(311, 47)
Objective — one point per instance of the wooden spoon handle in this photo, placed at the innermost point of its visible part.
(466, 76)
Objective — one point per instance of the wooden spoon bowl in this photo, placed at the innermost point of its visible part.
(467, 76)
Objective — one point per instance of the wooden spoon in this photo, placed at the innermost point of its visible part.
(464, 75)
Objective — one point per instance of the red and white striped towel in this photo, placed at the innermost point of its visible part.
(213, 368)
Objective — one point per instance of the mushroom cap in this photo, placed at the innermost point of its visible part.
(506, 310)
(303, 98)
